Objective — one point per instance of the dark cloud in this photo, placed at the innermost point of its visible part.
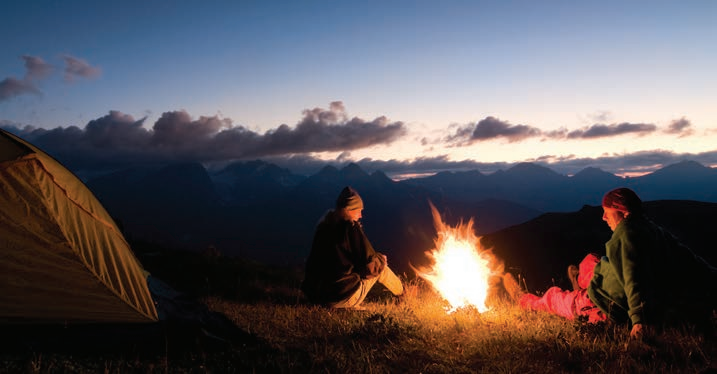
(78, 68)
(681, 127)
(178, 130)
(319, 131)
(492, 128)
(36, 67)
(11, 87)
(118, 138)
(602, 131)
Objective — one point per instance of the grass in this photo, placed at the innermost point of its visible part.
(282, 334)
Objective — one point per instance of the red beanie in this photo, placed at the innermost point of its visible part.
(623, 199)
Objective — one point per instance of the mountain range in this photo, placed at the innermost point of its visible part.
(260, 211)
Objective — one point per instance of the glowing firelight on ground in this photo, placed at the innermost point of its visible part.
(461, 268)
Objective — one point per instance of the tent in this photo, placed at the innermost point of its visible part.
(62, 257)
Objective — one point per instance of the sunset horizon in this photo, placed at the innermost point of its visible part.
(411, 87)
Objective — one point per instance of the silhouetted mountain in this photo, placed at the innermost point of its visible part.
(593, 175)
(683, 180)
(268, 214)
(171, 204)
(542, 189)
(259, 211)
(244, 183)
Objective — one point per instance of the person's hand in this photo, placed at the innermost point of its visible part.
(636, 332)
(375, 266)
(639, 331)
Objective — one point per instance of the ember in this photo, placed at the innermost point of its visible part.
(461, 268)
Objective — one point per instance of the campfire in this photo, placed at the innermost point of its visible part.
(461, 268)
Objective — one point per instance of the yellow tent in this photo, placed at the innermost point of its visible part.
(62, 257)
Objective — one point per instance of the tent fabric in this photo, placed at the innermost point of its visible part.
(62, 257)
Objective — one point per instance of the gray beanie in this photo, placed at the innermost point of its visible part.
(349, 199)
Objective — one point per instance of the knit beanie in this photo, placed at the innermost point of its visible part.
(349, 199)
(623, 199)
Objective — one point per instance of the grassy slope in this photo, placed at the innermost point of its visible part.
(415, 335)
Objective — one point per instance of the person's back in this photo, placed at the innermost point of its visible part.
(330, 271)
(343, 265)
(669, 282)
(685, 284)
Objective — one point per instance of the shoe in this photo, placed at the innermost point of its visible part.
(573, 276)
(512, 287)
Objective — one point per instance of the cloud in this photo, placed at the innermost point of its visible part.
(681, 127)
(492, 128)
(602, 131)
(600, 116)
(78, 68)
(119, 139)
(37, 68)
(319, 131)
(11, 87)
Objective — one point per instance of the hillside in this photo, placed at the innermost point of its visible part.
(541, 249)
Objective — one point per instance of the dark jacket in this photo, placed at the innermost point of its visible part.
(341, 255)
(648, 276)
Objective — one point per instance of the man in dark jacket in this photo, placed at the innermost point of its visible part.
(343, 266)
(647, 278)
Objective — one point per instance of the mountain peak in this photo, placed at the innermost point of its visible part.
(592, 173)
(687, 168)
(328, 170)
(352, 170)
(529, 166)
(381, 176)
(530, 170)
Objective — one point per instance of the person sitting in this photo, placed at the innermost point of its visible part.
(647, 277)
(343, 266)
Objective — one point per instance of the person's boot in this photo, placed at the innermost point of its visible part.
(512, 287)
(573, 276)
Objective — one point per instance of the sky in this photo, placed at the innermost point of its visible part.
(406, 87)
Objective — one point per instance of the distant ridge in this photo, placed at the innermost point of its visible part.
(260, 211)
(543, 189)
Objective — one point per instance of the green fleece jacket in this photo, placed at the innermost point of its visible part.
(647, 274)
(341, 255)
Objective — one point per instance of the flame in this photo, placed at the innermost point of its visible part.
(461, 267)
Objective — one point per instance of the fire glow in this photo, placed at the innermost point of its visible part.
(461, 267)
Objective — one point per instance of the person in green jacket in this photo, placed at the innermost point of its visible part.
(647, 277)
(343, 266)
